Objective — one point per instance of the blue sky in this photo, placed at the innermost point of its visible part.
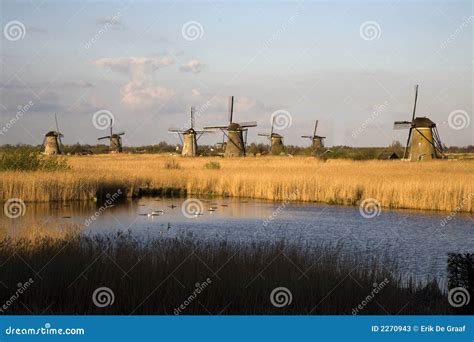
(310, 59)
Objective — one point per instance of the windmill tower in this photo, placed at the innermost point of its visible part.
(317, 141)
(115, 140)
(236, 133)
(189, 137)
(423, 142)
(276, 141)
(52, 140)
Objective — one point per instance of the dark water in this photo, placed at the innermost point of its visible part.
(416, 240)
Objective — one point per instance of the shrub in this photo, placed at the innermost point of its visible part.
(24, 160)
(212, 165)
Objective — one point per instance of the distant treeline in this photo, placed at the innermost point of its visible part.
(332, 152)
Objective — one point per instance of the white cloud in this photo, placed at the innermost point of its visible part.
(141, 91)
(193, 66)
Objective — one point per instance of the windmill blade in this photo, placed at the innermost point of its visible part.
(107, 137)
(408, 141)
(192, 117)
(121, 133)
(231, 108)
(175, 130)
(203, 131)
(414, 106)
(245, 138)
(216, 127)
(57, 126)
(44, 141)
(111, 124)
(315, 128)
(248, 124)
(308, 136)
(401, 125)
(264, 134)
(273, 123)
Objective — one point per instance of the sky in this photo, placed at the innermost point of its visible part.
(352, 65)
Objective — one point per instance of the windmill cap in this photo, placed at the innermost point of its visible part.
(276, 135)
(423, 122)
(115, 136)
(234, 127)
(51, 134)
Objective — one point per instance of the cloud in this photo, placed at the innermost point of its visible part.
(193, 66)
(141, 91)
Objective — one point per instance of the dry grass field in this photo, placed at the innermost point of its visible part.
(436, 185)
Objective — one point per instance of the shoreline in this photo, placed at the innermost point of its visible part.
(432, 186)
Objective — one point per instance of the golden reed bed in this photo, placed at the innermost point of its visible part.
(437, 185)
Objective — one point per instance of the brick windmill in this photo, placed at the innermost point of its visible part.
(276, 140)
(52, 143)
(423, 142)
(316, 140)
(236, 133)
(189, 137)
(115, 140)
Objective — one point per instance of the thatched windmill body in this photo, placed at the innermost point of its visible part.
(189, 137)
(276, 141)
(423, 142)
(115, 140)
(52, 140)
(236, 134)
(317, 141)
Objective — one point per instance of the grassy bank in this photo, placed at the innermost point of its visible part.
(162, 276)
(437, 185)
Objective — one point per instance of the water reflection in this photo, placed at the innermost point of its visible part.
(416, 240)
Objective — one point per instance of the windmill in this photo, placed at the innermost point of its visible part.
(276, 140)
(317, 141)
(115, 140)
(52, 143)
(236, 133)
(423, 140)
(189, 137)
